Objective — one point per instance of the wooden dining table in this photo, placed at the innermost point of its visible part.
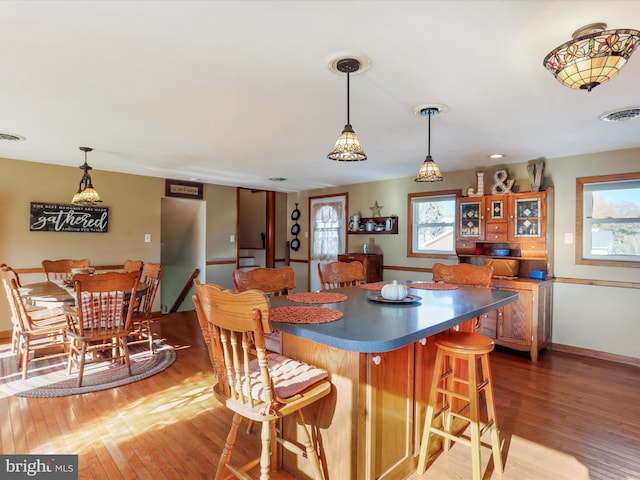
(380, 358)
(54, 292)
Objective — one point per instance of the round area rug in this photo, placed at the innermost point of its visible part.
(48, 378)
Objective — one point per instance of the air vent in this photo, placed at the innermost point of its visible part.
(8, 136)
(621, 115)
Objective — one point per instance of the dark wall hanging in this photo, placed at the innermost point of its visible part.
(183, 189)
(295, 229)
(46, 217)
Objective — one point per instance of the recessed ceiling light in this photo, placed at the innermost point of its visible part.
(495, 156)
(621, 115)
(11, 137)
(277, 179)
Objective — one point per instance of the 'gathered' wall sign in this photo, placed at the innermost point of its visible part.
(46, 217)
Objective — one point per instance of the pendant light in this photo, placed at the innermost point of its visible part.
(86, 194)
(594, 56)
(429, 171)
(347, 148)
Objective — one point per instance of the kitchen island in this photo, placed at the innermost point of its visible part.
(380, 360)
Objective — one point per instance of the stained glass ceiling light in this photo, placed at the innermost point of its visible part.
(347, 147)
(86, 194)
(429, 171)
(594, 56)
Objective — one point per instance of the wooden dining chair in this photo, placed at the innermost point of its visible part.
(143, 316)
(340, 274)
(132, 266)
(271, 281)
(14, 320)
(464, 274)
(101, 320)
(37, 334)
(262, 387)
(61, 269)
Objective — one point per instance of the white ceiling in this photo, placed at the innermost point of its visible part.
(233, 93)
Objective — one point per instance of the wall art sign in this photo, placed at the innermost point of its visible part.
(47, 217)
(183, 189)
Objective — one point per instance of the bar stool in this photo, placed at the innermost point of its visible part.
(455, 349)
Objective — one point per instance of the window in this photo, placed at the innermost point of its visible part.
(432, 224)
(608, 220)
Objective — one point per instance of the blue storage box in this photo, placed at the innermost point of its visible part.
(539, 274)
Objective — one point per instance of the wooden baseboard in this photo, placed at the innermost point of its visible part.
(585, 352)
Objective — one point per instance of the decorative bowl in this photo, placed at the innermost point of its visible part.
(501, 252)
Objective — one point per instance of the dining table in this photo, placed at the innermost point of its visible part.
(380, 356)
(54, 292)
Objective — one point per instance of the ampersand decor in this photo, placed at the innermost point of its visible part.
(500, 186)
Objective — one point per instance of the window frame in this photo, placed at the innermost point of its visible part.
(455, 194)
(581, 221)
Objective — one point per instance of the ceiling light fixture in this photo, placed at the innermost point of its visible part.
(86, 194)
(495, 156)
(594, 56)
(347, 147)
(429, 171)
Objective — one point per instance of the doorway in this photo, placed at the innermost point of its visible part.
(328, 233)
(182, 248)
(255, 227)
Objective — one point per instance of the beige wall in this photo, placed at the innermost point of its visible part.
(590, 317)
(598, 318)
(134, 209)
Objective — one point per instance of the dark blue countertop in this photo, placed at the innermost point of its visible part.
(369, 326)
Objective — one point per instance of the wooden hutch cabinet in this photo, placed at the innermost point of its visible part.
(522, 224)
(371, 262)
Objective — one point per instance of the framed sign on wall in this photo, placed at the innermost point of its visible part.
(183, 189)
(47, 217)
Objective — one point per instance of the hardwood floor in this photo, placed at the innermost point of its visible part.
(566, 417)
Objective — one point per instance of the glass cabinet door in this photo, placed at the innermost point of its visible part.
(527, 214)
(471, 219)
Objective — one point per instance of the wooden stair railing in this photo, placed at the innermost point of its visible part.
(185, 291)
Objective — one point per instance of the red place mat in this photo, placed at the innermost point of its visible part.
(433, 286)
(372, 286)
(317, 297)
(304, 314)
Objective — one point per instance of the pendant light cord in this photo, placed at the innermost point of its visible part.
(429, 136)
(348, 102)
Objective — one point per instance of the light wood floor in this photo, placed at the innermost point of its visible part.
(566, 417)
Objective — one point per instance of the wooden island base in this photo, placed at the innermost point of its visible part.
(371, 424)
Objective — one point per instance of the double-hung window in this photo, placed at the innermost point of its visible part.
(608, 220)
(432, 224)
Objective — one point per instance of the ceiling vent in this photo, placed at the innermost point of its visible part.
(8, 136)
(621, 115)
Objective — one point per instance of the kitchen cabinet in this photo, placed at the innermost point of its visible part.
(471, 224)
(526, 324)
(371, 263)
(522, 223)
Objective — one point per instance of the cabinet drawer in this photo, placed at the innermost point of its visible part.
(466, 246)
(497, 237)
(496, 227)
(533, 249)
